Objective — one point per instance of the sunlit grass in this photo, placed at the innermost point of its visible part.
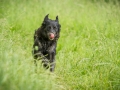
(88, 51)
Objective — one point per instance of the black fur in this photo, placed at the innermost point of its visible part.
(44, 47)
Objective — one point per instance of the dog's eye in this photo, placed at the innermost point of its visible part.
(54, 27)
(49, 27)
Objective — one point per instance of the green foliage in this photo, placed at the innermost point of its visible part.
(88, 51)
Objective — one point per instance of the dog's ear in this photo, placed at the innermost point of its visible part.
(46, 17)
(57, 20)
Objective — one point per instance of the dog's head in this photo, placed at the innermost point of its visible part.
(51, 28)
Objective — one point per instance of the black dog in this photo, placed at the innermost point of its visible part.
(45, 42)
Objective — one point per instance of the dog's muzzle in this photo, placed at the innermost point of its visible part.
(51, 36)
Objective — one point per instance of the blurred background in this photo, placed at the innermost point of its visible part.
(88, 50)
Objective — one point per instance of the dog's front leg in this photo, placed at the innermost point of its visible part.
(52, 61)
(37, 54)
(52, 52)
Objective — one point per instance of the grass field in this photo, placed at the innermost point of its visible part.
(88, 51)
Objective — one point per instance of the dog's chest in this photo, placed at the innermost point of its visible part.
(45, 47)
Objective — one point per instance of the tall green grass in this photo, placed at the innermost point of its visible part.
(88, 51)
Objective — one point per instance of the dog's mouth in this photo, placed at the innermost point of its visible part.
(51, 36)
